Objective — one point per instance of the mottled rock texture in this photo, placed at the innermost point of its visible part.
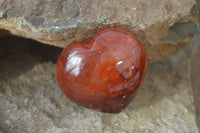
(195, 80)
(61, 22)
(32, 102)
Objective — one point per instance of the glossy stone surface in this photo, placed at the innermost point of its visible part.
(104, 74)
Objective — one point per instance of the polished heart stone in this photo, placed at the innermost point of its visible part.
(104, 74)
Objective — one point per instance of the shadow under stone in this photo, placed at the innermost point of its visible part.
(18, 55)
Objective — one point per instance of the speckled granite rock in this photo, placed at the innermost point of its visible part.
(31, 100)
(63, 21)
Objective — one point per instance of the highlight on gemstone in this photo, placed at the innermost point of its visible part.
(105, 73)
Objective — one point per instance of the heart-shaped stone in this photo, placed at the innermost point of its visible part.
(104, 74)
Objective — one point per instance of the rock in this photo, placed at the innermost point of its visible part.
(195, 78)
(61, 22)
(31, 100)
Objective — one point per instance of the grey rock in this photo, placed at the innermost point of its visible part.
(31, 100)
(3, 14)
(195, 80)
(62, 22)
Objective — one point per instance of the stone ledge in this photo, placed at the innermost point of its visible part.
(61, 22)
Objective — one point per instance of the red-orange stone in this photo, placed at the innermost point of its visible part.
(105, 73)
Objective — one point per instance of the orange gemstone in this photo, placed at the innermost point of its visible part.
(105, 73)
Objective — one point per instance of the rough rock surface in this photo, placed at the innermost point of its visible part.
(61, 22)
(31, 100)
(195, 80)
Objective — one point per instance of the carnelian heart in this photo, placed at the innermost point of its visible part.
(105, 73)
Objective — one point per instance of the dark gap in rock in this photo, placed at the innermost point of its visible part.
(18, 55)
(4, 33)
(180, 31)
(184, 29)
